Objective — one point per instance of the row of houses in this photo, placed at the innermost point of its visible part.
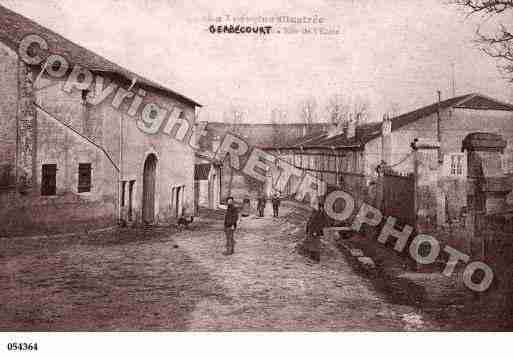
(445, 165)
(449, 163)
(352, 157)
(430, 144)
(227, 182)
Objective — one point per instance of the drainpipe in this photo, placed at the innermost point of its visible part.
(18, 146)
(120, 172)
(438, 132)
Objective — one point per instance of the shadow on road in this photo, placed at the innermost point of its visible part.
(131, 280)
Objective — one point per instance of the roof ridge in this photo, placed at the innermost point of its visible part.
(469, 97)
(74, 51)
(478, 94)
(446, 103)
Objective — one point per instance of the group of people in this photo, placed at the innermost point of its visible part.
(262, 201)
(314, 226)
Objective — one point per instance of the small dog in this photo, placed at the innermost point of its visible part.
(183, 223)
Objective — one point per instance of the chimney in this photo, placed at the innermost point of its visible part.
(335, 129)
(352, 125)
(386, 128)
(386, 140)
(215, 143)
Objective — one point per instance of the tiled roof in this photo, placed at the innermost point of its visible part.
(470, 101)
(321, 141)
(340, 141)
(308, 139)
(369, 131)
(14, 27)
(481, 102)
(263, 135)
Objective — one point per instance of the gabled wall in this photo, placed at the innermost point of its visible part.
(450, 191)
(45, 140)
(8, 108)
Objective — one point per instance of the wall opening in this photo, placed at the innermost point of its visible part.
(49, 180)
(84, 177)
(149, 180)
(130, 200)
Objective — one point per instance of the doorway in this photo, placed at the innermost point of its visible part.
(177, 200)
(130, 200)
(149, 174)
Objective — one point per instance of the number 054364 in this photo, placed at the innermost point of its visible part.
(21, 346)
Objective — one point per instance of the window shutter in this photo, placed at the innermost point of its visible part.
(84, 177)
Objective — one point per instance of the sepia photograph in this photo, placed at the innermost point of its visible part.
(272, 167)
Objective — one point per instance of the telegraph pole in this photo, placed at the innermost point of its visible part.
(453, 80)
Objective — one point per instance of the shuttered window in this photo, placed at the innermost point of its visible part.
(84, 177)
(48, 180)
(456, 165)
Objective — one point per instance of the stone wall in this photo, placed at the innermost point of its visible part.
(442, 196)
(8, 108)
(27, 128)
(94, 137)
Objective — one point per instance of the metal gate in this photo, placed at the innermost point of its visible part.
(399, 197)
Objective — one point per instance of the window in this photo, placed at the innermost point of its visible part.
(48, 180)
(84, 177)
(456, 165)
(507, 162)
(85, 93)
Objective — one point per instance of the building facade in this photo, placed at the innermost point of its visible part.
(80, 158)
(264, 136)
(331, 156)
(442, 165)
(207, 182)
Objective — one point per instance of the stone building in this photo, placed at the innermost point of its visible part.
(75, 156)
(441, 163)
(260, 135)
(443, 193)
(207, 182)
(334, 156)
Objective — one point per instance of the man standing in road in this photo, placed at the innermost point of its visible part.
(276, 203)
(261, 205)
(314, 230)
(230, 224)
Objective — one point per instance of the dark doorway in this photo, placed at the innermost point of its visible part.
(177, 198)
(399, 197)
(48, 180)
(149, 174)
(130, 199)
(211, 186)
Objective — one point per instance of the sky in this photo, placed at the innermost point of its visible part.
(392, 54)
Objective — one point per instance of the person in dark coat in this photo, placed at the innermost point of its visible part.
(314, 230)
(261, 205)
(230, 224)
(276, 200)
(246, 206)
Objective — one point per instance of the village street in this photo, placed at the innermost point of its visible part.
(160, 281)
